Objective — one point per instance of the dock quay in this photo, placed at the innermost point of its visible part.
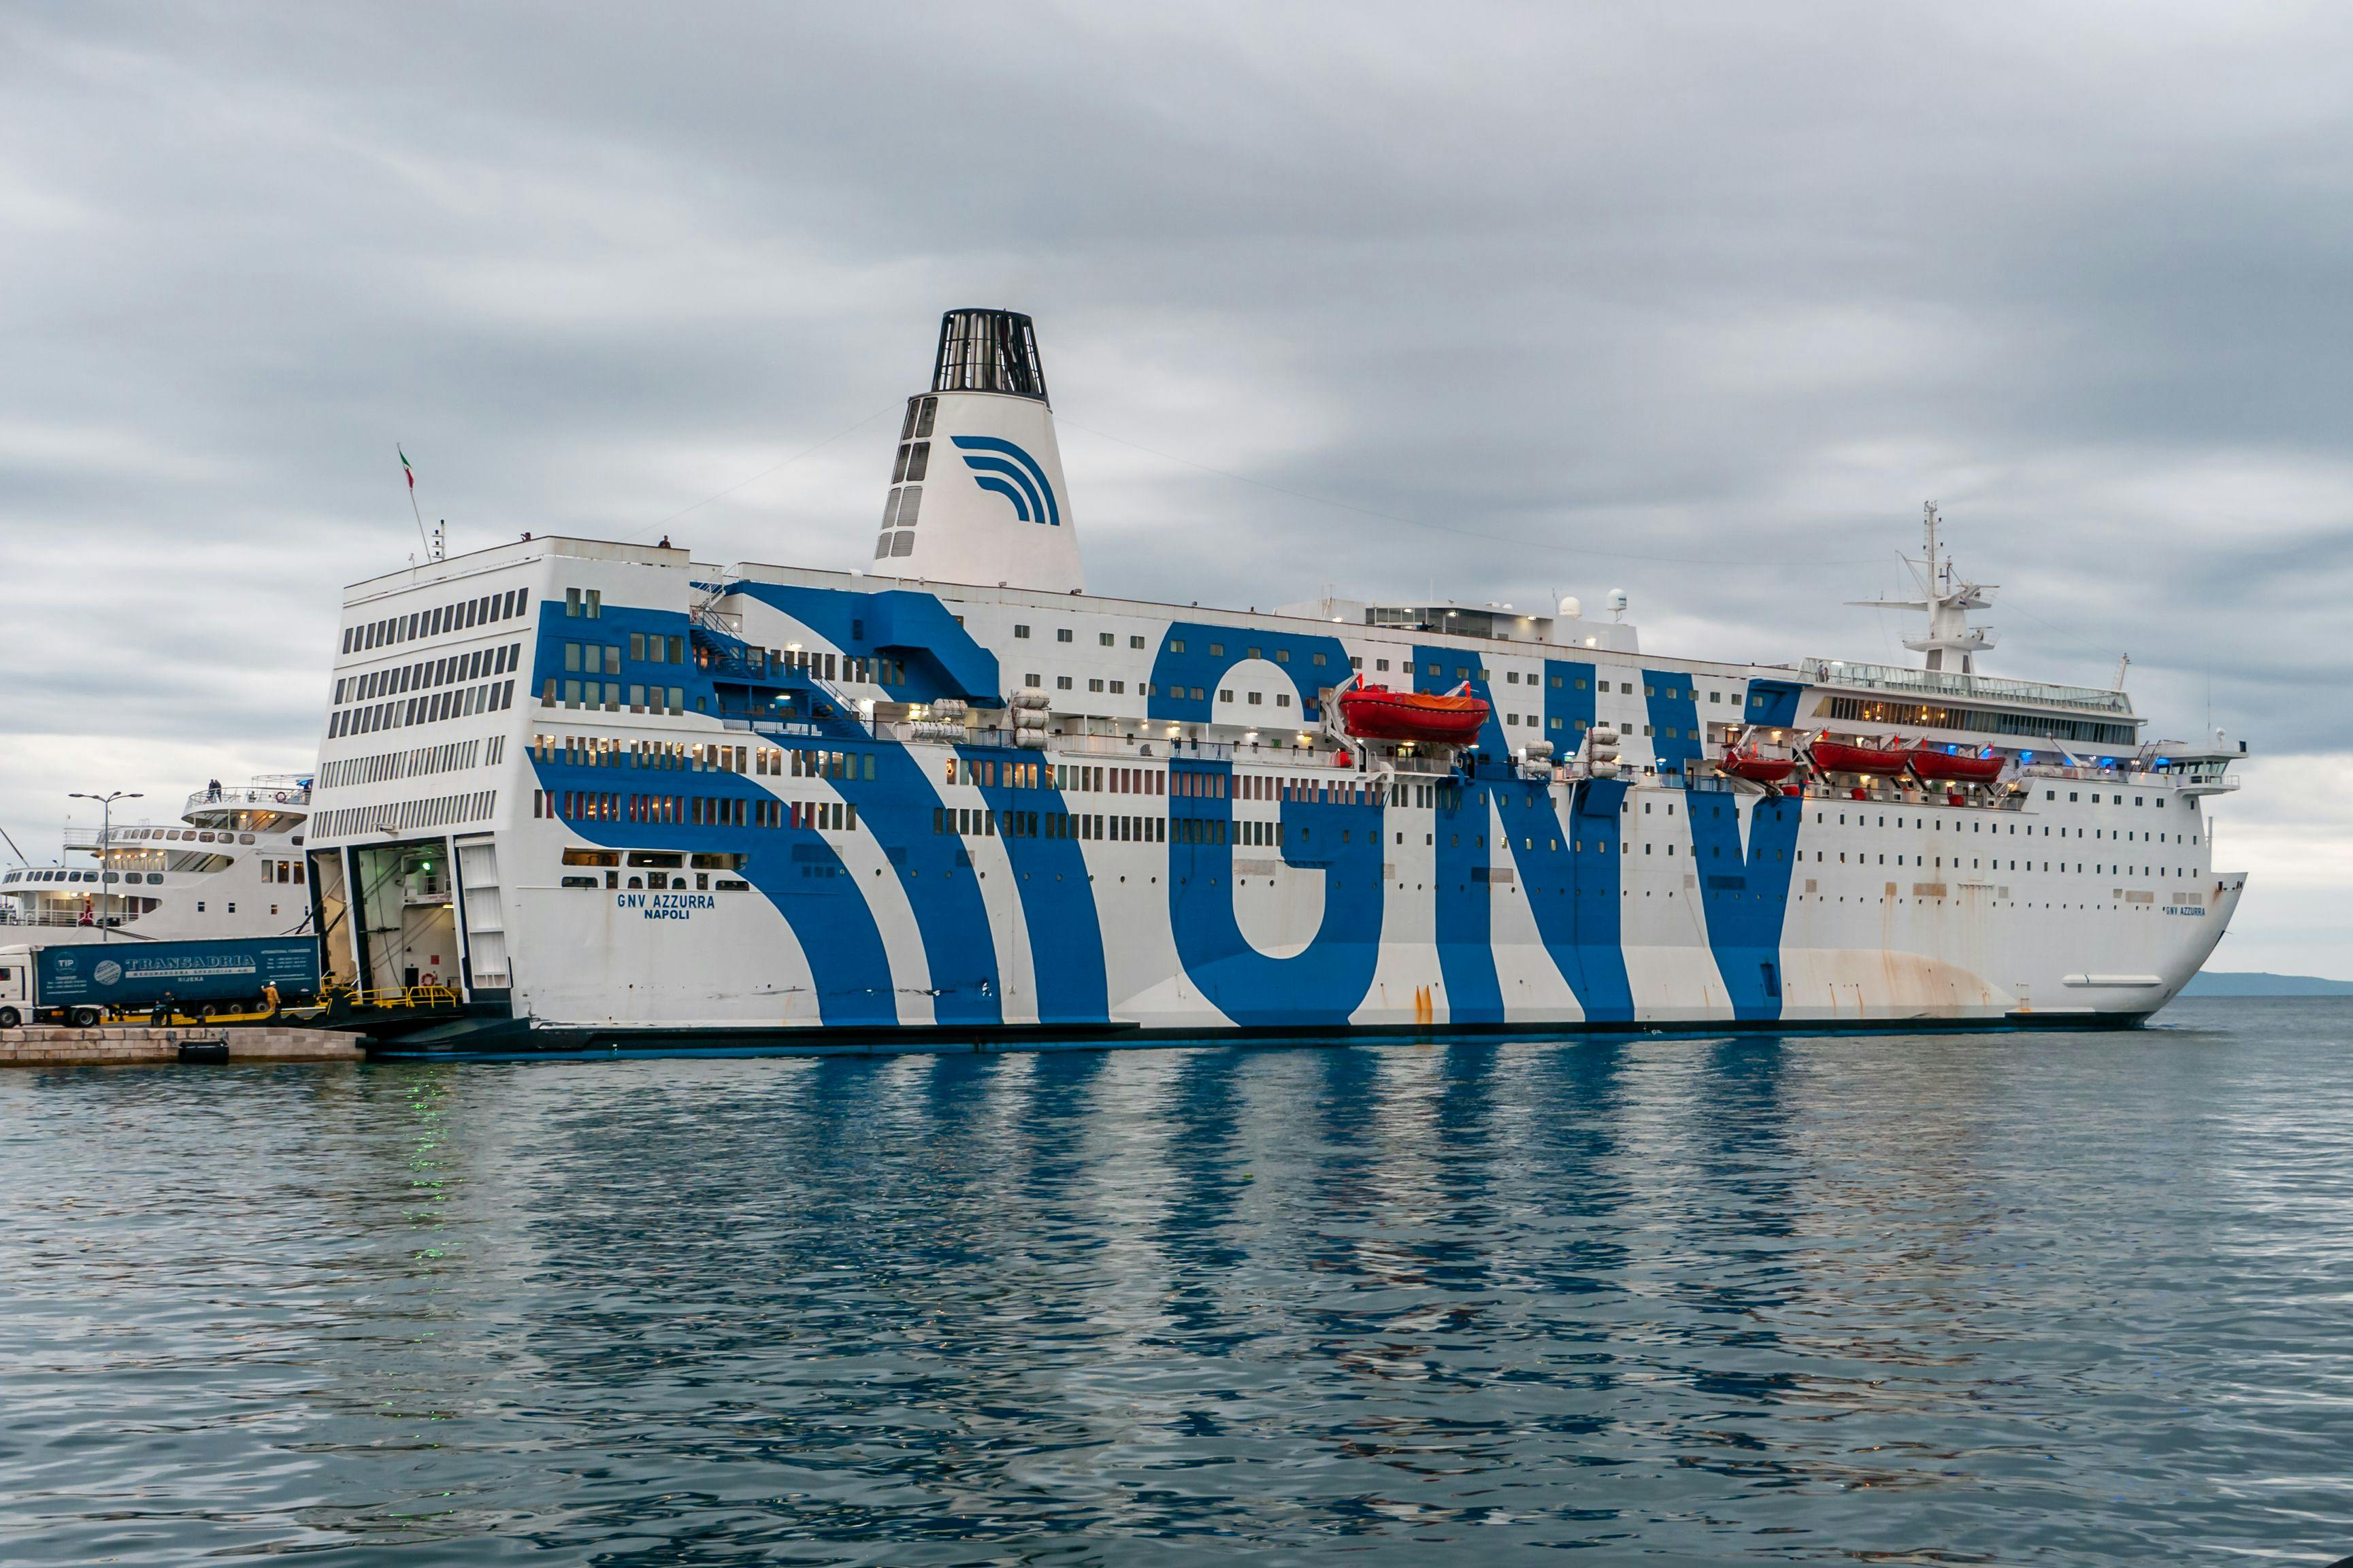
(140, 1044)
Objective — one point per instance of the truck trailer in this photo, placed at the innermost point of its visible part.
(80, 983)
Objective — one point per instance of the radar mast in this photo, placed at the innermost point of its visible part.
(1946, 599)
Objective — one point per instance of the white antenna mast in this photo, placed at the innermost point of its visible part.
(1948, 601)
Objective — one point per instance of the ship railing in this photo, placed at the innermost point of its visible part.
(1416, 767)
(12, 916)
(431, 997)
(2090, 772)
(266, 797)
(1833, 672)
(1911, 795)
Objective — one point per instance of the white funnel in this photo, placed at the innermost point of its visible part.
(977, 492)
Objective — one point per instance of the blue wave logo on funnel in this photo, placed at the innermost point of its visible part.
(1002, 467)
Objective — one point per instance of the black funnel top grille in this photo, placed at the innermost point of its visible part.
(988, 350)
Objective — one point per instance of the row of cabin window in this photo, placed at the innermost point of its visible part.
(688, 810)
(654, 859)
(971, 822)
(1105, 639)
(658, 870)
(1070, 778)
(448, 757)
(455, 669)
(607, 695)
(1978, 826)
(2097, 871)
(454, 702)
(2113, 800)
(644, 648)
(1980, 721)
(703, 881)
(608, 751)
(450, 617)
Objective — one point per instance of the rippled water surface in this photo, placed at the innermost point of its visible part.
(2059, 1299)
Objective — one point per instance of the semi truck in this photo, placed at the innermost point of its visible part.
(80, 983)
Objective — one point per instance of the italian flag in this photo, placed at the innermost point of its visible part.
(405, 469)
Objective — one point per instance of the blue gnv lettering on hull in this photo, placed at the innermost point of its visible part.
(1326, 981)
(1058, 902)
(1745, 913)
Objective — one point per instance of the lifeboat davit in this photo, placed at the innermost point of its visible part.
(1838, 757)
(1950, 767)
(1378, 713)
(1762, 770)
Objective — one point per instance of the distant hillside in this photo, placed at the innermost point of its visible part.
(2246, 985)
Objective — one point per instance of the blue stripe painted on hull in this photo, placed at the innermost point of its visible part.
(1185, 664)
(941, 657)
(1058, 910)
(1675, 740)
(1464, 913)
(1744, 922)
(795, 870)
(1325, 981)
(1568, 872)
(896, 806)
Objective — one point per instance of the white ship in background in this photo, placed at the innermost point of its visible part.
(233, 866)
(617, 795)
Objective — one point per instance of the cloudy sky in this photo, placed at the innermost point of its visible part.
(1702, 303)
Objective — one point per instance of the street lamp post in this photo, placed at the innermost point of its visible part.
(107, 878)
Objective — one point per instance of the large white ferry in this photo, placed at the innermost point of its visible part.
(233, 866)
(619, 796)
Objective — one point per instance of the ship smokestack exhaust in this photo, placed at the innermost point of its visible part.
(977, 492)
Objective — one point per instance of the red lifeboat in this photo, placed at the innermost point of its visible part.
(1761, 769)
(1950, 767)
(1378, 713)
(1838, 757)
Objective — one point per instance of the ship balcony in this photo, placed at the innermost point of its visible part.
(1952, 685)
(267, 794)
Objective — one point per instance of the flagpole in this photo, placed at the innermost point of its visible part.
(411, 475)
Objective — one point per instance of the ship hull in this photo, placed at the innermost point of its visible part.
(721, 859)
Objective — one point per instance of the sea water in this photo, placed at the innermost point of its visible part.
(2075, 1298)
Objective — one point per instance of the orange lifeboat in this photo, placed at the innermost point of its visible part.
(1838, 757)
(1378, 713)
(1955, 768)
(1759, 769)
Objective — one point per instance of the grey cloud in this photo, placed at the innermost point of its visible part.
(1715, 286)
